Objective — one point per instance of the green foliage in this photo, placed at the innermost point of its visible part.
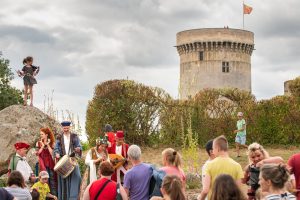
(8, 94)
(3, 182)
(85, 146)
(294, 86)
(127, 106)
(149, 116)
(82, 166)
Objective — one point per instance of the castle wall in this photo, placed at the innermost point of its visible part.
(228, 49)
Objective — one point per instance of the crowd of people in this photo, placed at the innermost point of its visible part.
(117, 171)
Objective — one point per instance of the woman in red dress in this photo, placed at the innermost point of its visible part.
(45, 151)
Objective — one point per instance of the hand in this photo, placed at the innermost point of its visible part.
(260, 163)
(77, 149)
(235, 131)
(54, 197)
(57, 155)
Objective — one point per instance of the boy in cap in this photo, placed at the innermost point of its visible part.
(18, 162)
(68, 143)
(95, 156)
(42, 186)
(240, 138)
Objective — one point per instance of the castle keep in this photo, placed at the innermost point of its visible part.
(214, 58)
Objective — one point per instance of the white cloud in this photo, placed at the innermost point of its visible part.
(79, 44)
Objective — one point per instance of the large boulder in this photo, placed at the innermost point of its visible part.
(21, 123)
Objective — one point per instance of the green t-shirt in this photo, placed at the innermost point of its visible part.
(239, 125)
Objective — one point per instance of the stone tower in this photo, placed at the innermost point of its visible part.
(214, 58)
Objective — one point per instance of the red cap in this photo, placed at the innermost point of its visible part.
(21, 145)
(120, 134)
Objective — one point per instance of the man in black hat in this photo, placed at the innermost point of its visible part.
(68, 143)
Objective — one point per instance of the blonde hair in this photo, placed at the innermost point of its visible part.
(172, 157)
(254, 147)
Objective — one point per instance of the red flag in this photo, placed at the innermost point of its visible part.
(247, 9)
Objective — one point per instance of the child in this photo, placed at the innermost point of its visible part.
(28, 73)
(42, 186)
(257, 156)
(171, 189)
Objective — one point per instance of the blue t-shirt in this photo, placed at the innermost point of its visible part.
(137, 181)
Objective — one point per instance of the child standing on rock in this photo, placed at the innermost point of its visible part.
(28, 73)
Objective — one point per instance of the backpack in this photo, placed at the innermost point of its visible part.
(156, 181)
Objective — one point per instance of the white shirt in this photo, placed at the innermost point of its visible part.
(67, 143)
(203, 172)
(24, 168)
(119, 149)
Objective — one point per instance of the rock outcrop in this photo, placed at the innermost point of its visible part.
(21, 123)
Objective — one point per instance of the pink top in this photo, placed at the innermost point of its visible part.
(172, 170)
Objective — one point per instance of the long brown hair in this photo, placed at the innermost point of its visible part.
(173, 187)
(172, 157)
(49, 134)
(225, 188)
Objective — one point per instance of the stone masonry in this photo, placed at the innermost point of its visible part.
(214, 58)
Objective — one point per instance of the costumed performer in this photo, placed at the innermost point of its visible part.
(66, 144)
(120, 148)
(95, 156)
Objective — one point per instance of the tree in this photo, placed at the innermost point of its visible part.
(8, 95)
(295, 87)
(127, 106)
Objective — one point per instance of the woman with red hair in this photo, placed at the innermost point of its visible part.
(45, 151)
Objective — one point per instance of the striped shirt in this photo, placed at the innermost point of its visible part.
(284, 196)
(19, 193)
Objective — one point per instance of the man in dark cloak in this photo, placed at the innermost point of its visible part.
(68, 143)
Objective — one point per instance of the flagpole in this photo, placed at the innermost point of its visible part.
(243, 14)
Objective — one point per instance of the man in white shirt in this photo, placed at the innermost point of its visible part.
(68, 143)
(18, 162)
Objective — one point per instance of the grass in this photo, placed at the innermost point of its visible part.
(153, 156)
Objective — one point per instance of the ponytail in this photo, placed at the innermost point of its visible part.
(172, 157)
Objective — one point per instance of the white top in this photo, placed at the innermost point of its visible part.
(119, 149)
(24, 168)
(90, 162)
(19, 193)
(67, 143)
(203, 172)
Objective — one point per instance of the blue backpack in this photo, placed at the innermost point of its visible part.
(156, 181)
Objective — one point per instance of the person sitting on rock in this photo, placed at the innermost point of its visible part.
(18, 162)
(95, 156)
